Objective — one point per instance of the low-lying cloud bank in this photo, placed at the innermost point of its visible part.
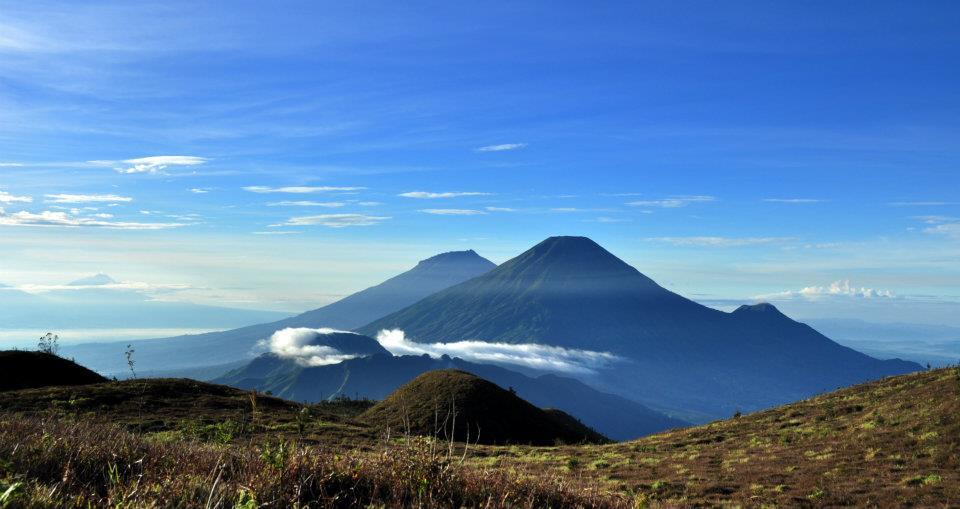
(297, 344)
(531, 355)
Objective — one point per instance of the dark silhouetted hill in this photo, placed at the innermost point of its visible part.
(27, 370)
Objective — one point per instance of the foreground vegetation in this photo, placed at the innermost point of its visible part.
(170, 443)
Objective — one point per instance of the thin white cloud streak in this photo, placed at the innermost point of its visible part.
(301, 189)
(922, 203)
(453, 212)
(151, 164)
(424, 195)
(62, 219)
(501, 147)
(835, 289)
(137, 286)
(672, 202)
(706, 241)
(499, 209)
(296, 344)
(531, 355)
(199, 190)
(304, 203)
(6, 197)
(335, 220)
(792, 200)
(87, 198)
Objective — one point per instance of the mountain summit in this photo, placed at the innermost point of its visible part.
(428, 276)
(573, 293)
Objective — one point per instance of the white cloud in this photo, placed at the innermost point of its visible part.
(327, 204)
(531, 355)
(501, 147)
(500, 209)
(792, 200)
(6, 197)
(605, 219)
(301, 189)
(138, 286)
(63, 219)
(835, 289)
(152, 164)
(951, 230)
(369, 203)
(672, 202)
(295, 343)
(200, 190)
(335, 220)
(453, 212)
(432, 196)
(87, 198)
(718, 241)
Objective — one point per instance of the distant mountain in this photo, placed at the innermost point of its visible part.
(376, 376)
(454, 404)
(215, 348)
(570, 292)
(100, 302)
(30, 370)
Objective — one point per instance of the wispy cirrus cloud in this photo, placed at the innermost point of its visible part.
(335, 220)
(793, 200)
(199, 190)
(836, 289)
(714, 241)
(922, 203)
(49, 218)
(424, 195)
(502, 147)
(301, 189)
(87, 198)
(499, 209)
(672, 202)
(6, 197)
(307, 203)
(454, 212)
(947, 226)
(151, 164)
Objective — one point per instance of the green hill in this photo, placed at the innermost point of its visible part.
(453, 403)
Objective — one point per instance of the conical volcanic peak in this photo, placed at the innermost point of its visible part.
(99, 279)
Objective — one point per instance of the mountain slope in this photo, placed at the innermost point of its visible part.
(27, 370)
(429, 276)
(375, 377)
(570, 292)
(462, 406)
(894, 442)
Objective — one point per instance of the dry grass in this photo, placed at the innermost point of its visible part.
(61, 463)
(894, 442)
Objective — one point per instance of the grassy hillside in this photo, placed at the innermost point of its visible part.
(892, 442)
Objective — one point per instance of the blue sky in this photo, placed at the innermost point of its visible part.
(731, 151)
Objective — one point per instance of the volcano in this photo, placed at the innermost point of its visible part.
(677, 354)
